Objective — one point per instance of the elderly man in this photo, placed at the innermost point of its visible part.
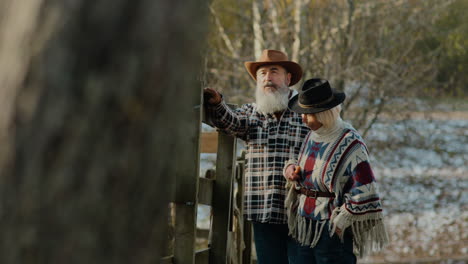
(273, 135)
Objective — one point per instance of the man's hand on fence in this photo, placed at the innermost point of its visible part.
(211, 96)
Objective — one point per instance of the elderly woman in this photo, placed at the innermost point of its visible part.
(332, 201)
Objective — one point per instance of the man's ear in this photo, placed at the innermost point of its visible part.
(288, 78)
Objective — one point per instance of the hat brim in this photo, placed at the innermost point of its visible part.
(294, 106)
(292, 67)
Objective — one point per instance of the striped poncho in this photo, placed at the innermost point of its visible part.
(336, 160)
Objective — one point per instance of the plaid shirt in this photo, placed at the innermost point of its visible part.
(270, 143)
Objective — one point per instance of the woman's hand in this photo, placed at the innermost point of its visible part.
(293, 172)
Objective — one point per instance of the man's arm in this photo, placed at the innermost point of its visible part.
(223, 117)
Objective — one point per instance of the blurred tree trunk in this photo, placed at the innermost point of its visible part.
(15, 52)
(107, 90)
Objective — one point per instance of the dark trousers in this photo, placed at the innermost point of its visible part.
(272, 243)
(329, 250)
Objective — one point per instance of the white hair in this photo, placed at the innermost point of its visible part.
(329, 117)
(269, 103)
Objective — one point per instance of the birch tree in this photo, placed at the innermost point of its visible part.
(257, 28)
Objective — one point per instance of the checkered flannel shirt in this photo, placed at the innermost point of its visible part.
(270, 143)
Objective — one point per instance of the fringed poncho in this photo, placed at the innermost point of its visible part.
(336, 160)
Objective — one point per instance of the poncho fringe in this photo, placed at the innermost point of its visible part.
(307, 234)
(369, 233)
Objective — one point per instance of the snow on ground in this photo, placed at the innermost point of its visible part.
(423, 181)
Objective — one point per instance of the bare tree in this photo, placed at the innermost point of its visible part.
(105, 97)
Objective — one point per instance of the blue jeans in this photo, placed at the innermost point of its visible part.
(272, 243)
(329, 250)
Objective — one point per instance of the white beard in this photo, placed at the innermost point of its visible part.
(269, 103)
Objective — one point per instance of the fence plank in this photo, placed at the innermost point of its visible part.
(167, 260)
(205, 192)
(209, 142)
(222, 193)
(202, 256)
(203, 233)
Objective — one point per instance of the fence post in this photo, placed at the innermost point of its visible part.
(186, 192)
(222, 195)
(246, 256)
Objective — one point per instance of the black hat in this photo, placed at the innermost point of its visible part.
(315, 96)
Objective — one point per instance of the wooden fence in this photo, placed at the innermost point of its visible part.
(230, 237)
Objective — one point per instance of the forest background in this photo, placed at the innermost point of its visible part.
(384, 54)
(91, 91)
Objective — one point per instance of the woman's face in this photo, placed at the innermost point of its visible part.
(311, 121)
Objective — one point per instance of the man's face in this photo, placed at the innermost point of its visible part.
(272, 78)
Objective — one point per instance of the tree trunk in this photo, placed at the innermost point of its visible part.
(100, 118)
(275, 25)
(257, 29)
(296, 45)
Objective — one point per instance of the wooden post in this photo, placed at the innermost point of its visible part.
(222, 193)
(236, 218)
(247, 254)
(186, 192)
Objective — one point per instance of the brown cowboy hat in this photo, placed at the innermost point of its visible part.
(315, 96)
(275, 57)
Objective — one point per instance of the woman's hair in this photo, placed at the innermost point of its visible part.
(329, 117)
